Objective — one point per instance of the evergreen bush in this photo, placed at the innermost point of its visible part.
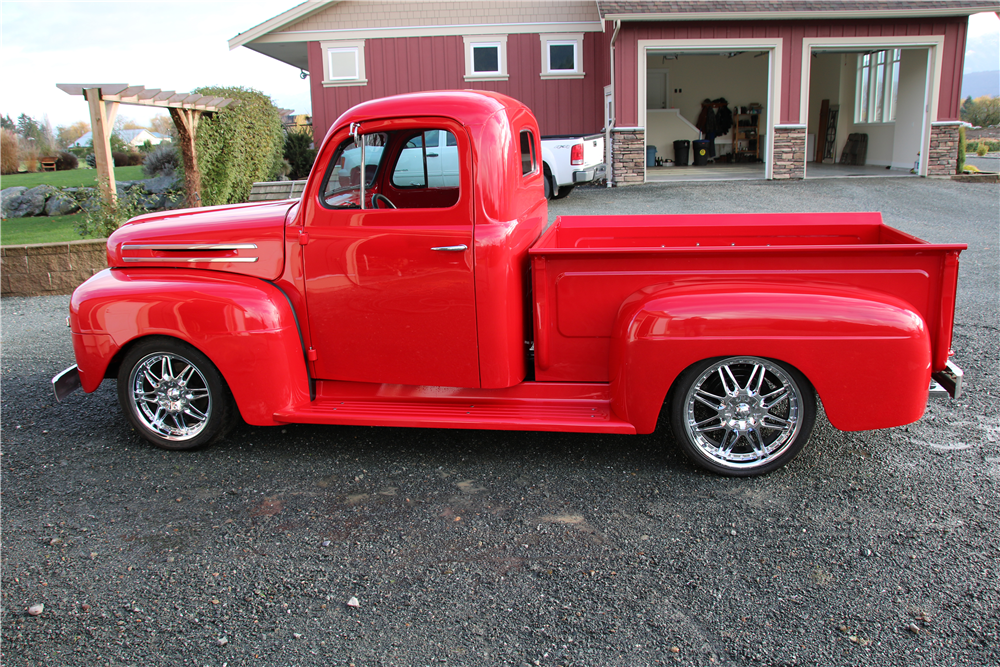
(960, 166)
(237, 146)
(162, 161)
(299, 153)
(66, 161)
(108, 217)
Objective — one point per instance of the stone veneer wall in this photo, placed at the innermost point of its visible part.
(942, 159)
(789, 153)
(628, 157)
(49, 268)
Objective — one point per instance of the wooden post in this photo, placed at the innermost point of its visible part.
(186, 122)
(102, 120)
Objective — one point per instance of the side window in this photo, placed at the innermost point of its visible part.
(342, 187)
(424, 163)
(528, 162)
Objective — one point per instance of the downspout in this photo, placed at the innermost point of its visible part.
(614, 107)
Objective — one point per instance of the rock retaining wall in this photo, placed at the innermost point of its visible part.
(49, 268)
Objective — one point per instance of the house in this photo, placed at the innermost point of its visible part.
(133, 138)
(806, 86)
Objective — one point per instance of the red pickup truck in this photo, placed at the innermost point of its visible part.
(404, 293)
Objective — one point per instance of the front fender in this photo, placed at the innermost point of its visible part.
(245, 325)
(867, 354)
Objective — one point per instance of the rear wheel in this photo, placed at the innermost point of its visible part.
(742, 416)
(547, 179)
(173, 395)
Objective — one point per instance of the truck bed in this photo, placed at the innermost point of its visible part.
(585, 267)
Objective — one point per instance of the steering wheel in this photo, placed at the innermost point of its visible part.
(379, 197)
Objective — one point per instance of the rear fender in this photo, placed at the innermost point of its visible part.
(867, 354)
(245, 325)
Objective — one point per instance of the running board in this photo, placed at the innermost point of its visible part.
(531, 406)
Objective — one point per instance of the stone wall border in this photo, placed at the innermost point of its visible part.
(49, 268)
(628, 156)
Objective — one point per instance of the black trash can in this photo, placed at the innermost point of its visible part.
(700, 152)
(681, 152)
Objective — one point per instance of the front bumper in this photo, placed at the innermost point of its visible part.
(947, 382)
(595, 173)
(66, 382)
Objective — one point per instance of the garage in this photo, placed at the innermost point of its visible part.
(706, 114)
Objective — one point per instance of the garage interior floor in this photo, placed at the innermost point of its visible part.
(748, 171)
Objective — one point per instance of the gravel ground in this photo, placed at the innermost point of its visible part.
(486, 548)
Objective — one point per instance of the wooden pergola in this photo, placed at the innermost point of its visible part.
(185, 110)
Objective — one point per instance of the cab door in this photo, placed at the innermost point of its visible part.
(390, 291)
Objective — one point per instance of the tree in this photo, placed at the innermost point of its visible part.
(7, 123)
(163, 125)
(982, 111)
(236, 146)
(67, 134)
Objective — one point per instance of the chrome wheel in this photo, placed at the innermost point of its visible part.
(743, 415)
(173, 395)
(170, 396)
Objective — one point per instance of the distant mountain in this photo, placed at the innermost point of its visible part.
(978, 84)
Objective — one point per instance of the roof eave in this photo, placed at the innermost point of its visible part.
(293, 15)
(799, 15)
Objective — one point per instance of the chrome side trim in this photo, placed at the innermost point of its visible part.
(66, 382)
(190, 246)
(228, 260)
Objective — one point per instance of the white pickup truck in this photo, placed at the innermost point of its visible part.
(567, 161)
(570, 161)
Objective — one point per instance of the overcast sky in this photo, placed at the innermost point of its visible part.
(179, 46)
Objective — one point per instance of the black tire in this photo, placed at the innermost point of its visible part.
(173, 395)
(563, 191)
(547, 179)
(742, 416)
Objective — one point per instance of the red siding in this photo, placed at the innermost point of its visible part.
(791, 33)
(411, 64)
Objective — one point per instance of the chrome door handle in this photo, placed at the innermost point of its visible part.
(452, 248)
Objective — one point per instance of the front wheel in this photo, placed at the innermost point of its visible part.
(742, 416)
(173, 395)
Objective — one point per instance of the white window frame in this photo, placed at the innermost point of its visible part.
(871, 106)
(358, 48)
(498, 41)
(562, 39)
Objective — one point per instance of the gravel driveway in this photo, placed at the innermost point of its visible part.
(310, 545)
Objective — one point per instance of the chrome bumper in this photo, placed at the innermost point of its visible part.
(947, 382)
(66, 382)
(594, 173)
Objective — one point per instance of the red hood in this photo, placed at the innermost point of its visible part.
(243, 238)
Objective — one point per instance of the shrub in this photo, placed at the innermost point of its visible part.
(135, 158)
(10, 155)
(31, 160)
(162, 161)
(66, 161)
(91, 160)
(299, 153)
(108, 217)
(238, 145)
(960, 166)
(120, 158)
(982, 149)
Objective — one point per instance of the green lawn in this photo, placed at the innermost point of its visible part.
(70, 178)
(43, 229)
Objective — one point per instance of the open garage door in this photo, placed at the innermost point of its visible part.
(868, 111)
(706, 113)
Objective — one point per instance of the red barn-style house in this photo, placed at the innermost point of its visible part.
(773, 89)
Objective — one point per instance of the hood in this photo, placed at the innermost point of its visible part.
(243, 238)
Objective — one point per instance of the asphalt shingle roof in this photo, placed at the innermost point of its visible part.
(903, 7)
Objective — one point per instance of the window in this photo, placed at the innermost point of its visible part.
(877, 85)
(528, 164)
(486, 58)
(342, 188)
(344, 63)
(561, 56)
(425, 163)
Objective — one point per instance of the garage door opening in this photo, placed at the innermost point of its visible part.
(867, 112)
(706, 114)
